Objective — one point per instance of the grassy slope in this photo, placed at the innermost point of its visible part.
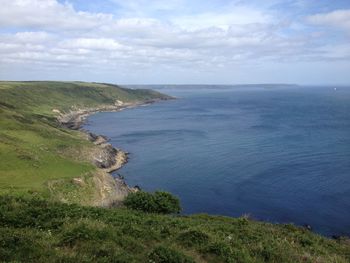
(41, 97)
(39, 231)
(33, 149)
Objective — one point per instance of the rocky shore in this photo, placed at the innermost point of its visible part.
(76, 117)
(107, 159)
(111, 191)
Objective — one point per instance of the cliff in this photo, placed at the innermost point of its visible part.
(42, 146)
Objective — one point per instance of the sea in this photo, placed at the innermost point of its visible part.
(275, 153)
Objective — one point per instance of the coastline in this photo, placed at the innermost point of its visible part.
(75, 118)
(105, 157)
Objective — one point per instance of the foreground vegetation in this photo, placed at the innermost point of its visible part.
(158, 202)
(36, 230)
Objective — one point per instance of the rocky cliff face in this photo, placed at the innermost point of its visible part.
(109, 191)
(105, 156)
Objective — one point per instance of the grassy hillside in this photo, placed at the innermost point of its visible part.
(33, 148)
(35, 230)
(41, 97)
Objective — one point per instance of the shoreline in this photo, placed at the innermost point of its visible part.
(76, 118)
(105, 157)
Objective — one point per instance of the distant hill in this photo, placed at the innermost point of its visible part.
(210, 86)
(42, 96)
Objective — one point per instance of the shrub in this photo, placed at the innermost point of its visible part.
(158, 202)
(106, 251)
(19, 244)
(163, 254)
(220, 249)
(166, 203)
(84, 230)
(193, 238)
(80, 232)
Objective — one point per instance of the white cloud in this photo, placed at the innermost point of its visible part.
(338, 18)
(47, 14)
(235, 16)
(140, 7)
(92, 44)
(335, 52)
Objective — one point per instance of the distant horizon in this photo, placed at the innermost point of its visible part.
(181, 84)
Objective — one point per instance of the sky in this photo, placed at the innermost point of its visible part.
(176, 41)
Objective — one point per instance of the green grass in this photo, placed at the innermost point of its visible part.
(33, 148)
(32, 152)
(34, 230)
(41, 97)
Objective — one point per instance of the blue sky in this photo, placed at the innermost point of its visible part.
(176, 41)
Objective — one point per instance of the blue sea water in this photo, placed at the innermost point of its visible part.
(279, 154)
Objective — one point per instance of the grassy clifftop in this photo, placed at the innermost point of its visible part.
(39, 231)
(41, 97)
(34, 149)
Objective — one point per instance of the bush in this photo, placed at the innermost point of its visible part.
(193, 238)
(220, 249)
(84, 230)
(163, 254)
(158, 202)
(19, 244)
